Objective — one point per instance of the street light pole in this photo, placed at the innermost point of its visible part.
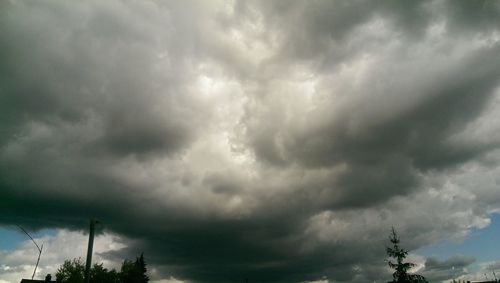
(89, 250)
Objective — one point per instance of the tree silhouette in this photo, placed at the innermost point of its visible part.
(141, 265)
(401, 268)
(72, 271)
(134, 272)
(100, 274)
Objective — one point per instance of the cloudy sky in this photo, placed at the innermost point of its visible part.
(277, 141)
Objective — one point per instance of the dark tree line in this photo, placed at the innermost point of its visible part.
(72, 271)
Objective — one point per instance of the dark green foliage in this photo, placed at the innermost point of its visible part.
(141, 264)
(129, 272)
(72, 271)
(401, 268)
(100, 274)
(134, 272)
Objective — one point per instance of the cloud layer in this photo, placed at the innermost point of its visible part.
(272, 140)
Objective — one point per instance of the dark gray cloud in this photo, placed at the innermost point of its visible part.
(277, 140)
(438, 270)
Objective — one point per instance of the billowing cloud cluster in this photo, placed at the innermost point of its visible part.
(272, 140)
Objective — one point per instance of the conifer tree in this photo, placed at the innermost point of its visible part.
(141, 265)
(134, 272)
(401, 268)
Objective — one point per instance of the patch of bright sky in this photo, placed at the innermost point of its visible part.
(481, 243)
(12, 237)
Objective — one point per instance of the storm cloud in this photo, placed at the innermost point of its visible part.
(453, 267)
(271, 140)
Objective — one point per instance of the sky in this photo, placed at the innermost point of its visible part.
(274, 141)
